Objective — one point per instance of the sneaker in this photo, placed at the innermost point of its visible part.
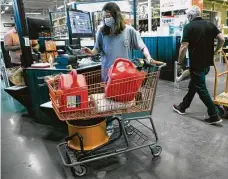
(110, 129)
(178, 109)
(213, 120)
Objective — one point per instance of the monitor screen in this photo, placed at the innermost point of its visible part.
(80, 22)
(37, 26)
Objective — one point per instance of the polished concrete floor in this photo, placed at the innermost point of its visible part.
(191, 148)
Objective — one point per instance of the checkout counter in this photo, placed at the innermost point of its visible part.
(36, 92)
(39, 93)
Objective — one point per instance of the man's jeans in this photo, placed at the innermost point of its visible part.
(197, 84)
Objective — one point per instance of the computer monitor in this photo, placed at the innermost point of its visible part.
(38, 26)
(81, 25)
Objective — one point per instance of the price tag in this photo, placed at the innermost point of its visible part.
(27, 44)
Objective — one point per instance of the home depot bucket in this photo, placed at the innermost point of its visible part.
(93, 136)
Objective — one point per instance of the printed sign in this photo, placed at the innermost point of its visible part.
(142, 11)
(8, 24)
(172, 5)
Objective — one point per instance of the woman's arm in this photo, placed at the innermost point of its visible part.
(138, 43)
(149, 59)
(89, 51)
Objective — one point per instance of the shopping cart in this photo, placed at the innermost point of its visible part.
(221, 100)
(127, 117)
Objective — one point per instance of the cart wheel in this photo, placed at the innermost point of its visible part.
(155, 150)
(129, 131)
(80, 170)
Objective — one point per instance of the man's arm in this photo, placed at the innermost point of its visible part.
(220, 43)
(8, 43)
(182, 52)
(12, 48)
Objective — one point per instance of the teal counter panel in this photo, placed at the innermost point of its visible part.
(38, 89)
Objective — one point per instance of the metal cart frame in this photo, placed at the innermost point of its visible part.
(77, 159)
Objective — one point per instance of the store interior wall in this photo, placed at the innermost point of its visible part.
(217, 7)
(5, 18)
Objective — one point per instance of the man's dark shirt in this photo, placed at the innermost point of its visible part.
(200, 34)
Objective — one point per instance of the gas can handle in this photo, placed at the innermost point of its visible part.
(74, 75)
(122, 60)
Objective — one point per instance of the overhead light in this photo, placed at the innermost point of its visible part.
(70, 3)
(2, 12)
(33, 13)
(60, 7)
(6, 8)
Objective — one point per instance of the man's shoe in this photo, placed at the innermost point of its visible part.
(213, 120)
(178, 109)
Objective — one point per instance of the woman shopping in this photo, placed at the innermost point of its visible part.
(115, 39)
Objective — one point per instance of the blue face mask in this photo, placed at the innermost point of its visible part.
(109, 21)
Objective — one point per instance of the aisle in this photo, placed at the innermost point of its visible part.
(191, 148)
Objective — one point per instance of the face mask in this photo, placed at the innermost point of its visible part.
(109, 21)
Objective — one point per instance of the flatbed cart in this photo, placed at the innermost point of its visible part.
(127, 119)
(221, 99)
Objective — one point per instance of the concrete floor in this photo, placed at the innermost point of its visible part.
(191, 148)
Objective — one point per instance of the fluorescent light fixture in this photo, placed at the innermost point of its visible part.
(6, 8)
(60, 7)
(2, 12)
(70, 3)
(33, 13)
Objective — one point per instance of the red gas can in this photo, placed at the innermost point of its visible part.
(124, 81)
(75, 92)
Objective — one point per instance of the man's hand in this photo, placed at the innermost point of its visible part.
(217, 52)
(12, 47)
(182, 52)
(179, 68)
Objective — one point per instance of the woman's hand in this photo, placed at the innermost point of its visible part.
(87, 51)
(157, 62)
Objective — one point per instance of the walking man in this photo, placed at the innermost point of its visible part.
(198, 38)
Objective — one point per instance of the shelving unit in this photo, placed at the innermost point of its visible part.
(59, 24)
(143, 16)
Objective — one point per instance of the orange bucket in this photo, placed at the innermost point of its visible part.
(93, 136)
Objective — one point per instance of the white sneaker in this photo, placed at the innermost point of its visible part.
(110, 130)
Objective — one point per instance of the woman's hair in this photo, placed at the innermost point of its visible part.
(115, 12)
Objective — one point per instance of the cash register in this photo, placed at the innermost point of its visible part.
(70, 53)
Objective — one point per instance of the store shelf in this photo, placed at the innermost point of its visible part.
(59, 18)
(60, 36)
(59, 26)
(147, 18)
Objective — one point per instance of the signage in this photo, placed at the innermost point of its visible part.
(8, 24)
(142, 11)
(172, 5)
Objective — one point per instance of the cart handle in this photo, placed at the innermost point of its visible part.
(79, 137)
(149, 65)
(161, 66)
